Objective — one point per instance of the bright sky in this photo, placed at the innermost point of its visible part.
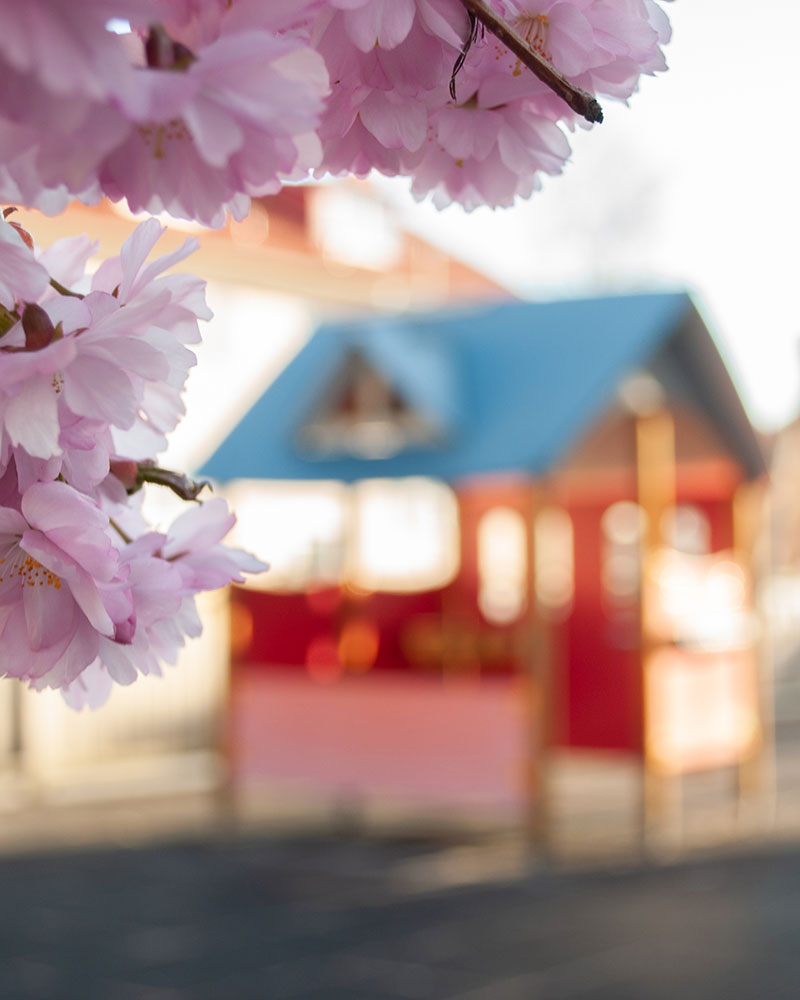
(695, 185)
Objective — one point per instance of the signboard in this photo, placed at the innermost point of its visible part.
(700, 674)
(702, 709)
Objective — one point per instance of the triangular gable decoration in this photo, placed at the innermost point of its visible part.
(360, 413)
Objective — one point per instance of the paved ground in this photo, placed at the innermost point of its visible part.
(360, 920)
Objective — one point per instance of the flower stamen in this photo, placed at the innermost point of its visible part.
(157, 136)
(535, 29)
(28, 572)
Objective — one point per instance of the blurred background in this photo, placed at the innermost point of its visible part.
(528, 654)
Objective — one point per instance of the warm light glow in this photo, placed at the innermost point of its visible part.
(405, 535)
(502, 565)
(702, 600)
(358, 645)
(727, 586)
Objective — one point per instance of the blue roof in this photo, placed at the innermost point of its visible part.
(509, 386)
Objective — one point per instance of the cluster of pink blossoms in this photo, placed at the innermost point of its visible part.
(90, 383)
(193, 106)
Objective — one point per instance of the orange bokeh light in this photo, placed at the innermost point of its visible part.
(358, 645)
(241, 629)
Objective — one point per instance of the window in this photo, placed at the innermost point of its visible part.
(623, 527)
(398, 535)
(554, 561)
(502, 565)
(298, 528)
(687, 529)
(405, 535)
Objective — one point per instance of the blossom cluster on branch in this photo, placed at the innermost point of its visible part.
(90, 383)
(194, 106)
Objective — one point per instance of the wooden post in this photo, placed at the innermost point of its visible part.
(459, 654)
(655, 486)
(539, 691)
(755, 777)
(227, 799)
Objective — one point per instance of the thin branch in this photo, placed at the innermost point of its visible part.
(181, 485)
(579, 100)
(64, 291)
(122, 534)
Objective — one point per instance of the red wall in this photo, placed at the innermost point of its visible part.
(596, 702)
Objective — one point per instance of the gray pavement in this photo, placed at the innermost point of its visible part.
(328, 919)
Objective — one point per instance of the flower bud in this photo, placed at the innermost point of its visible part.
(38, 327)
(127, 472)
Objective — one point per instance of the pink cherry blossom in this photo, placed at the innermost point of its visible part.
(193, 546)
(482, 156)
(67, 47)
(164, 573)
(56, 561)
(119, 364)
(206, 103)
(233, 122)
(391, 109)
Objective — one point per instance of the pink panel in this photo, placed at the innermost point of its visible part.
(392, 736)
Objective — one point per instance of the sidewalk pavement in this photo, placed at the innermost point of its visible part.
(354, 919)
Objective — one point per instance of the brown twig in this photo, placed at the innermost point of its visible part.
(122, 534)
(579, 100)
(64, 291)
(181, 485)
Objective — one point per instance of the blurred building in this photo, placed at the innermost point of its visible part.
(501, 535)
